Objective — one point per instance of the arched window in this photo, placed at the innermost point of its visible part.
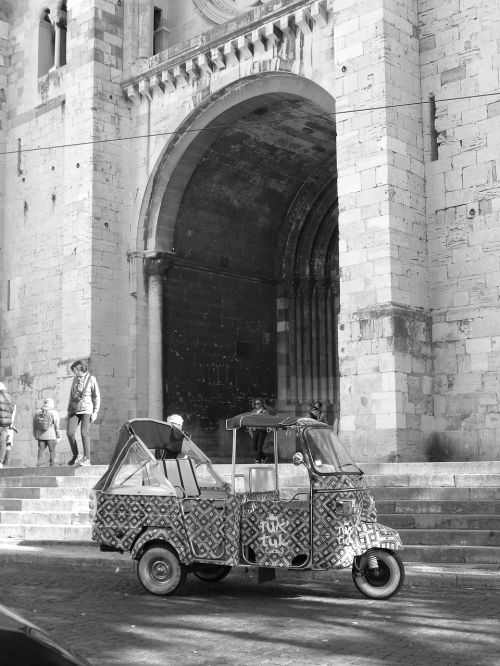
(46, 43)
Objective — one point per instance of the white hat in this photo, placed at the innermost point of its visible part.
(175, 420)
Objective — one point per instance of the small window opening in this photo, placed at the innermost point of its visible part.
(160, 31)
(432, 126)
(46, 43)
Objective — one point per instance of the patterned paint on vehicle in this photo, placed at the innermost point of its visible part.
(344, 522)
(275, 532)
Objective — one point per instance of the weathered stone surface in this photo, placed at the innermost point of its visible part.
(286, 156)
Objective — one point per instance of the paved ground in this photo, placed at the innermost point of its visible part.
(105, 614)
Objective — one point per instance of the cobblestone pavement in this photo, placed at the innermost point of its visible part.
(108, 617)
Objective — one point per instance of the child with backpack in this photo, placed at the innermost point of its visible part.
(46, 431)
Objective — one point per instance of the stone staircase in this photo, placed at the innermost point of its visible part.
(445, 512)
(47, 503)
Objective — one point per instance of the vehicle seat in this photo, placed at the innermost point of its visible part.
(180, 473)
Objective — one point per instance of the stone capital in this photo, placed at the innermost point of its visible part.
(158, 264)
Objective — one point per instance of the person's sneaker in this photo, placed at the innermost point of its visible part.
(84, 461)
(73, 460)
(79, 458)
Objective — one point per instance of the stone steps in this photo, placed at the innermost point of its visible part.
(46, 532)
(445, 512)
(50, 504)
(433, 480)
(452, 554)
(45, 492)
(450, 537)
(438, 506)
(45, 517)
(47, 481)
(383, 493)
(59, 470)
(440, 521)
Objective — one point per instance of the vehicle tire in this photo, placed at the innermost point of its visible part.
(211, 573)
(383, 583)
(160, 571)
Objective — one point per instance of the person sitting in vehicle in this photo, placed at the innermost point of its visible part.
(171, 448)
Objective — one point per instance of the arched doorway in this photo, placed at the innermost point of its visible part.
(248, 216)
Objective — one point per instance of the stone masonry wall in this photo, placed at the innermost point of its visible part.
(112, 194)
(61, 261)
(419, 285)
(460, 62)
(384, 336)
(4, 55)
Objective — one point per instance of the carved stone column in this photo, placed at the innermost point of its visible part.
(60, 39)
(156, 267)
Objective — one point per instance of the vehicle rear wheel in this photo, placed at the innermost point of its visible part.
(160, 571)
(382, 582)
(211, 573)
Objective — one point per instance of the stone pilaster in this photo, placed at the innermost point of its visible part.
(384, 338)
(155, 267)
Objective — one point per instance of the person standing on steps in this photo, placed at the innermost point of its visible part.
(10, 439)
(46, 431)
(83, 407)
(7, 407)
(259, 434)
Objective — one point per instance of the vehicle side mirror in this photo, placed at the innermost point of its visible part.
(298, 459)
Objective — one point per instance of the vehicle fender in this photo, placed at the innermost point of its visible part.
(168, 537)
(376, 535)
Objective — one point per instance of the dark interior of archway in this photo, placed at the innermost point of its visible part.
(220, 298)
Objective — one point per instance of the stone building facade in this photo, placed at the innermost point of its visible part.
(215, 200)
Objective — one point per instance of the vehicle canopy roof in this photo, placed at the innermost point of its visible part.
(149, 434)
(253, 420)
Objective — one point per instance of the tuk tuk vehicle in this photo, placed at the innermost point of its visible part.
(162, 501)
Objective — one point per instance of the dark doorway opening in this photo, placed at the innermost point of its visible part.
(250, 296)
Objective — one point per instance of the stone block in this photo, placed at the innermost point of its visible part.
(478, 345)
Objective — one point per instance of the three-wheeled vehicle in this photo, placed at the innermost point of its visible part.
(162, 501)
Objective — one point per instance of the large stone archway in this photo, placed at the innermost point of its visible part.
(244, 245)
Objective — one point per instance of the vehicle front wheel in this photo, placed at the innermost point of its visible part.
(383, 581)
(160, 571)
(211, 573)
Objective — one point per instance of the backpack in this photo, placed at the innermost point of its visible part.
(43, 420)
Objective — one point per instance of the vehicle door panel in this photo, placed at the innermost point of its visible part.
(275, 533)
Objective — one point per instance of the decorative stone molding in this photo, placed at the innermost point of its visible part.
(256, 39)
(220, 11)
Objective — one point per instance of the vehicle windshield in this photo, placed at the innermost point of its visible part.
(138, 469)
(327, 453)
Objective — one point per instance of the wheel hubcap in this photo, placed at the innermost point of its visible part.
(378, 577)
(161, 570)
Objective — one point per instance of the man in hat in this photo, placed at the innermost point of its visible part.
(7, 406)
